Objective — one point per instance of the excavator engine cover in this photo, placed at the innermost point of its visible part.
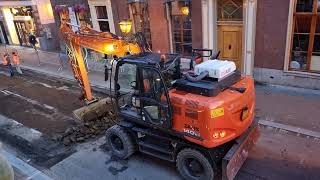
(210, 88)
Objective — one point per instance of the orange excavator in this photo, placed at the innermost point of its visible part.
(202, 119)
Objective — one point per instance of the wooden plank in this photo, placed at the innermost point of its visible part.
(311, 40)
(303, 13)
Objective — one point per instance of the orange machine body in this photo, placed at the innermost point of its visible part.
(212, 121)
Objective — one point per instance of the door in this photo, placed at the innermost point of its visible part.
(230, 33)
(155, 106)
(3, 34)
(230, 43)
(22, 32)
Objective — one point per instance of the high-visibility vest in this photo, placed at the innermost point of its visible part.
(15, 59)
(5, 60)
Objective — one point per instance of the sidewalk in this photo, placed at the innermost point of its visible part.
(289, 106)
(50, 64)
(294, 107)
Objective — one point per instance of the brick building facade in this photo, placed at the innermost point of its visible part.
(275, 41)
(288, 43)
(160, 21)
(73, 6)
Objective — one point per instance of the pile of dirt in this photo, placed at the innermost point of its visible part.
(87, 130)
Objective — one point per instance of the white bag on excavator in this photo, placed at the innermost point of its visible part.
(216, 68)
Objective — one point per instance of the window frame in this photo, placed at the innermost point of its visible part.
(293, 16)
(102, 19)
(144, 17)
(181, 30)
(95, 19)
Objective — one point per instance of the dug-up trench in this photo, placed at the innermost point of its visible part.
(88, 129)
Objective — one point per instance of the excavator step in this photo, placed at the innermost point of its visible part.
(162, 150)
(168, 156)
(155, 148)
(150, 133)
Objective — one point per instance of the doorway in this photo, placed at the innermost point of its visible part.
(230, 30)
(23, 29)
(3, 33)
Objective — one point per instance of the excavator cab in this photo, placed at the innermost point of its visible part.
(142, 90)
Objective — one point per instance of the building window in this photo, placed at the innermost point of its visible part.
(230, 10)
(77, 14)
(102, 18)
(305, 44)
(140, 17)
(181, 28)
(24, 23)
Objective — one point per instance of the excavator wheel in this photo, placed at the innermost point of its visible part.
(193, 165)
(120, 142)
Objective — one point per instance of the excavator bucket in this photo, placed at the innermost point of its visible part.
(94, 110)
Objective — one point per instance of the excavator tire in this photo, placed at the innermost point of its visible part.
(193, 165)
(120, 142)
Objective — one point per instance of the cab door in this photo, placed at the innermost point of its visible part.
(154, 98)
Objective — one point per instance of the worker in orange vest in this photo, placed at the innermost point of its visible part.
(16, 62)
(6, 61)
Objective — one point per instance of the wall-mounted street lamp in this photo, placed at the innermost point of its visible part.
(178, 7)
(125, 26)
(185, 10)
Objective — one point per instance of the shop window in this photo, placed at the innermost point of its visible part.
(102, 18)
(140, 17)
(181, 27)
(305, 47)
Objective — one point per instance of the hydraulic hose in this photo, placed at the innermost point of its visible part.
(197, 78)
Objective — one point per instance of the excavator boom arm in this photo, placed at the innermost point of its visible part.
(103, 42)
